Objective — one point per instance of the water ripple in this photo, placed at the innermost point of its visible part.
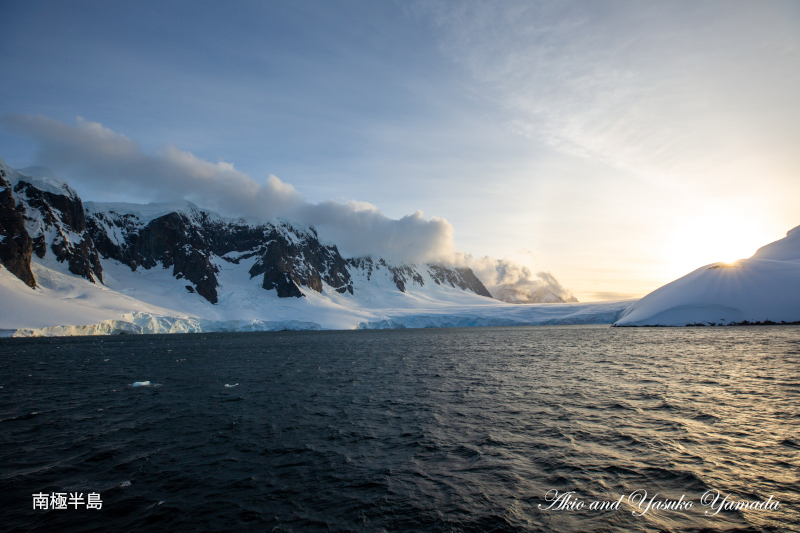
(409, 430)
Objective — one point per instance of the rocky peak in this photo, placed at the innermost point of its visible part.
(463, 278)
(288, 257)
(16, 246)
(405, 275)
(55, 217)
(293, 258)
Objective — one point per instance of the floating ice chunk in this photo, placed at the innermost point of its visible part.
(140, 384)
(231, 386)
(125, 484)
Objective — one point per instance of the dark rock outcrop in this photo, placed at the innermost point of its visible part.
(407, 274)
(172, 240)
(463, 278)
(288, 258)
(403, 274)
(364, 264)
(64, 215)
(288, 264)
(16, 246)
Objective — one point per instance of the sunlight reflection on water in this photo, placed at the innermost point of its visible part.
(434, 430)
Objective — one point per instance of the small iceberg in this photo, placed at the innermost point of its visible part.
(231, 386)
(140, 384)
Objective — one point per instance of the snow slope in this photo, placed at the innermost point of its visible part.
(63, 299)
(763, 288)
(153, 301)
(40, 177)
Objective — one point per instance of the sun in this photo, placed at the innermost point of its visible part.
(713, 236)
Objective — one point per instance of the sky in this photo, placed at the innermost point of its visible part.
(610, 146)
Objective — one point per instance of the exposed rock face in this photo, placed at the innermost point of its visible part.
(463, 278)
(365, 264)
(289, 263)
(172, 240)
(62, 217)
(16, 246)
(287, 257)
(407, 274)
(401, 275)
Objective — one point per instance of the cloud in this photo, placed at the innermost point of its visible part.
(360, 226)
(94, 155)
(98, 156)
(512, 281)
(667, 90)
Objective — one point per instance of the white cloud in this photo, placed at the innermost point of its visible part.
(361, 229)
(674, 92)
(510, 276)
(92, 154)
(98, 156)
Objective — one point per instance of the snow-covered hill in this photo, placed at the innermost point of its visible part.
(71, 268)
(762, 289)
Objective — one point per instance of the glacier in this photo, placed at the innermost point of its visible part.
(153, 301)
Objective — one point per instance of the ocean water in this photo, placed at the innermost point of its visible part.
(404, 430)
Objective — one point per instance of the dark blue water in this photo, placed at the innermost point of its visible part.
(409, 430)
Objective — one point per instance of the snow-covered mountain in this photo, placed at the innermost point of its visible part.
(762, 289)
(177, 267)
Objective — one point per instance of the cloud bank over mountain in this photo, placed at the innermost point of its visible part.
(98, 156)
(95, 155)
